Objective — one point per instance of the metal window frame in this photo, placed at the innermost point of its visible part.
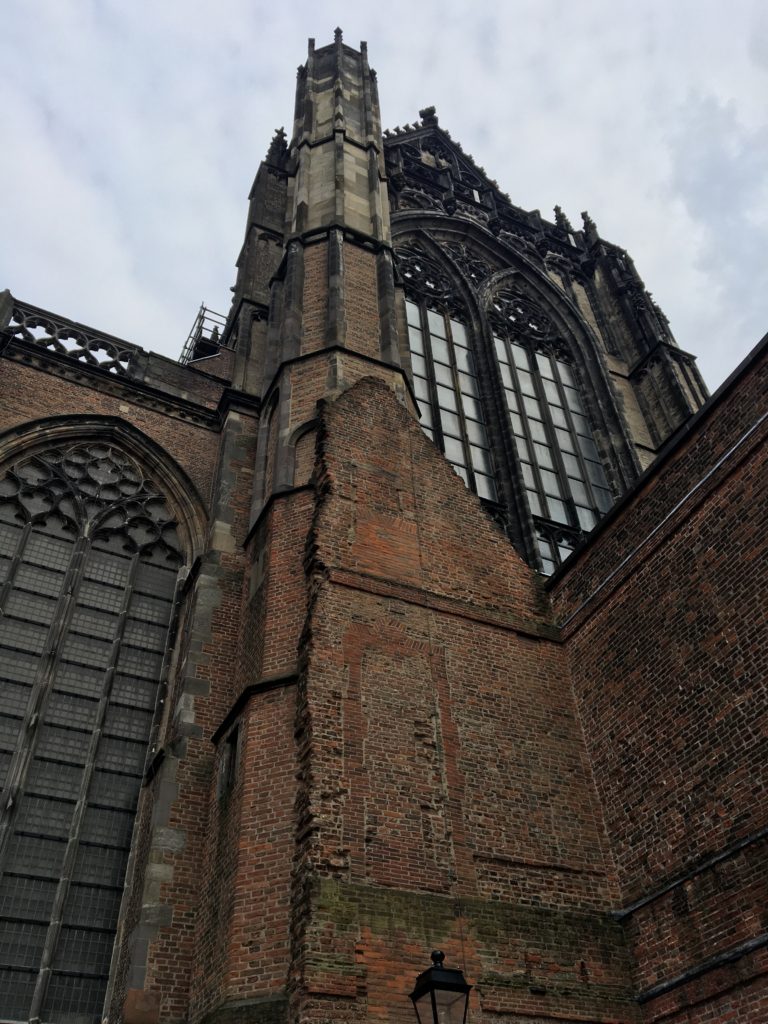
(549, 527)
(438, 434)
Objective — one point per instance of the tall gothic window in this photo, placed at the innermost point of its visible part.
(446, 385)
(565, 484)
(89, 561)
(444, 371)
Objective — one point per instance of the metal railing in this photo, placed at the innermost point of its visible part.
(205, 336)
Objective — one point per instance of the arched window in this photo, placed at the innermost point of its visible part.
(565, 484)
(445, 373)
(89, 560)
(445, 381)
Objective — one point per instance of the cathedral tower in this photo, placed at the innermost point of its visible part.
(372, 626)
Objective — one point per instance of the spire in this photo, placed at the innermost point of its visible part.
(337, 132)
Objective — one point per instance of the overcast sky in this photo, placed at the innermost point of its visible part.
(132, 132)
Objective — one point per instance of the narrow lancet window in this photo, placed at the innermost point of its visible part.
(560, 467)
(446, 384)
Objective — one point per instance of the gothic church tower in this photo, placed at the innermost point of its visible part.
(319, 649)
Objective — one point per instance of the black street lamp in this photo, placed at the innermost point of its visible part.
(440, 995)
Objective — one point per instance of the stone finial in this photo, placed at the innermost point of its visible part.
(337, 36)
(428, 117)
(277, 147)
(590, 228)
(562, 221)
(6, 308)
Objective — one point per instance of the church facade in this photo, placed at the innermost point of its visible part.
(419, 605)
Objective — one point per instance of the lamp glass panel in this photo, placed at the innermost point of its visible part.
(449, 1006)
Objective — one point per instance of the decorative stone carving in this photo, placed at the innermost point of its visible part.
(561, 220)
(417, 199)
(68, 339)
(474, 269)
(521, 244)
(473, 213)
(92, 488)
(422, 274)
(513, 312)
(278, 147)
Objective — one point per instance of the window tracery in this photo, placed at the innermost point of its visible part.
(558, 463)
(560, 466)
(447, 387)
(89, 559)
(423, 276)
(473, 267)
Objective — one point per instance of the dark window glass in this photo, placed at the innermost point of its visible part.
(87, 740)
(566, 485)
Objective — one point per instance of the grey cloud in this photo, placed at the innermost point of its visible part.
(136, 132)
(719, 174)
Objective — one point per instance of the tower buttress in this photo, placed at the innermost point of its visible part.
(315, 296)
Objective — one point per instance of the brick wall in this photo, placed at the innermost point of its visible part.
(664, 615)
(362, 310)
(315, 302)
(28, 394)
(444, 792)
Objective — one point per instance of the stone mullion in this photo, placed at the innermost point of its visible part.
(13, 571)
(561, 470)
(73, 840)
(549, 427)
(523, 414)
(26, 742)
(437, 424)
(468, 465)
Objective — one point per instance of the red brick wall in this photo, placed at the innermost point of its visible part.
(242, 948)
(665, 620)
(444, 792)
(362, 307)
(198, 894)
(315, 302)
(29, 394)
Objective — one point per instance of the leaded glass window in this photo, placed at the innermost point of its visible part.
(560, 467)
(89, 559)
(446, 384)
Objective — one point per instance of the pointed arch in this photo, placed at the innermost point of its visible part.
(444, 325)
(96, 527)
(463, 265)
(180, 491)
